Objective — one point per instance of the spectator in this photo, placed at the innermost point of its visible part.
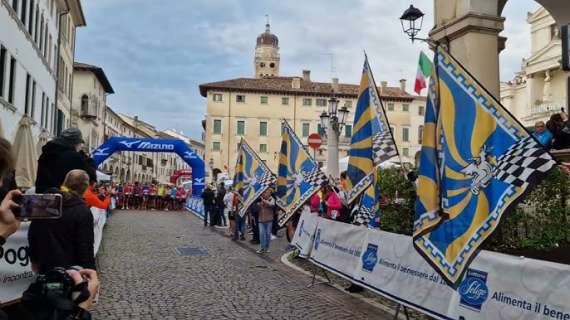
(8, 222)
(67, 241)
(560, 129)
(315, 203)
(254, 211)
(208, 199)
(265, 220)
(98, 209)
(543, 135)
(239, 228)
(229, 209)
(220, 217)
(333, 203)
(59, 156)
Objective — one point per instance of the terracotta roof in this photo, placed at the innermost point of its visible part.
(99, 73)
(285, 85)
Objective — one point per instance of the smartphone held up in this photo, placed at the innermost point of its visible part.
(39, 206)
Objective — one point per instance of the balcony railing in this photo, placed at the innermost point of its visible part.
(547, 108)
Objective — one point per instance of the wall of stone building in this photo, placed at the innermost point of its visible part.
(85, 83)
(20, 45)
(297, 114)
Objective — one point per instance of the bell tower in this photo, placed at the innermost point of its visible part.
(266, 60)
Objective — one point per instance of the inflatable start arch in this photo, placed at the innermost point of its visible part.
(117, 144)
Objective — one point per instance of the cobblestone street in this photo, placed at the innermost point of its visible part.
(144, 277)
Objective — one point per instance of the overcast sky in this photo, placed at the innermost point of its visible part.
(156, 53)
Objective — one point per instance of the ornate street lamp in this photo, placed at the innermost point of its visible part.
(410, 23)
(325, 122)
(332, 123)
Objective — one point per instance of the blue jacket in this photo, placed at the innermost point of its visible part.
(545, 137)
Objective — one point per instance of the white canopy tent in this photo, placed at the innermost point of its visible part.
(102, 177)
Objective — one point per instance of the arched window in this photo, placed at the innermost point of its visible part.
(84, 104)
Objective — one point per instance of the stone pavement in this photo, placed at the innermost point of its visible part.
(143, 276)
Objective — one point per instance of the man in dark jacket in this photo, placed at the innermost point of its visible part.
(220, 218)
(60, 156)
(208, 198)
(68, 241)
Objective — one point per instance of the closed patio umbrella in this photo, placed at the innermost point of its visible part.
(26, 156)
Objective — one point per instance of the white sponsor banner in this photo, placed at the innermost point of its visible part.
(496, 286)
(305, 233)
(15, 266)
(337, 246)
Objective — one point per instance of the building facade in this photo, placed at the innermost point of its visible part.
(119, 165)
(253, 108)
(90, 90)
(69, 22)
(28, 64)
(540, 89)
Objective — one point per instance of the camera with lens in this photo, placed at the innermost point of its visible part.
(54, 295)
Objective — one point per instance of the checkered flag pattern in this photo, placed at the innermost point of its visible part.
(268, 179)
(361, 215)
(383, 147)
(315, 177)
(523, 163)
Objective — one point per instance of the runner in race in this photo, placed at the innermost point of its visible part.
(159, 205)
(137, 193)
(145, 194)
(180, 197)
(152, 197)
(128, 189)
(172, 198)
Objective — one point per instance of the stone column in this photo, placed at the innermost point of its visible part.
(472, 34)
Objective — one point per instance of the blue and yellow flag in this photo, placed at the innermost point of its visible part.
(252, 176)
(372, 142)
(485, 163)
(299, 176)
(369, 204)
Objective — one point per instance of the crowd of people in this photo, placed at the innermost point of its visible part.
(223, 208)
(555, 133)
(148, 196)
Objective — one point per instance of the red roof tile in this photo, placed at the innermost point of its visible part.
(285, 85)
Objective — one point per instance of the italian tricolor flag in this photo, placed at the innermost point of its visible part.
(424, 71)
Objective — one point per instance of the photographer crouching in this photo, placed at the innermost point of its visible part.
(60, 245)
(57, 293)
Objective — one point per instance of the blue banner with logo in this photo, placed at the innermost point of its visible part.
(495, 286)
(305, 233)
(118, 144)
